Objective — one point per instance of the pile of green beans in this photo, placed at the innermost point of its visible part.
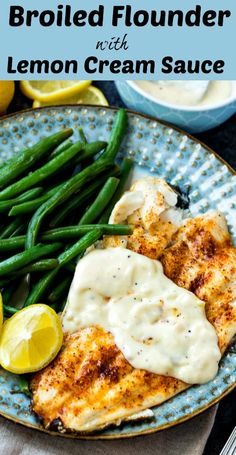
(55, 199)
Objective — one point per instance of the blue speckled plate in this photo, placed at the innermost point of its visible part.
(157, 149)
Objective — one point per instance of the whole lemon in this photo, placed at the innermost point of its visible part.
(7, 90)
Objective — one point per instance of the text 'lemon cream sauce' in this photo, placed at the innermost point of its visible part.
(157, 325)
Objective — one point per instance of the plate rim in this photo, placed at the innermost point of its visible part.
(180, 420)
(130, 111)
(97, 437)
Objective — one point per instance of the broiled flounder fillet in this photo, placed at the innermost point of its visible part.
(203, 260)
(150, 206)
(91, 385)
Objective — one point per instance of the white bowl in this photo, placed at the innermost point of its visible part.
(192, 119)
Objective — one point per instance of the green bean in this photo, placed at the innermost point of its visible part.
(30, 194)
(82, 135)
(125, 170)
(39, 266)
(101, 201)
(60, 290)
(23, 384)
(8, 293)
(80, 246)
(24, 160)
(117, 134)
(61, 148)
(51, 191)
(41, 288)
(8, 204)
(80, 199)
(12, 243)
(65, 234)
(31, 206)
(90, 150)
(43, 172)
(72, 186)
(20, 260)
(21, 229)
(10, 310)
(74, 203)
(75, 184)
(27, 207)
(16, 225)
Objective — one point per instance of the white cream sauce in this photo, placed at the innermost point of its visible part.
(188, 93)
(157, 325)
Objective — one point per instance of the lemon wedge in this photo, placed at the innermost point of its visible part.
(7, 90)
(30, 339)
(91, 95)
(52, 91)
(1, 312)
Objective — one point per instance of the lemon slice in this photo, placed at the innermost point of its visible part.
(91, 95)
(30, 339)
(7, 89)
(52, 91)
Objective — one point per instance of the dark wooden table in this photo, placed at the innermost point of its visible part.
(223, 141)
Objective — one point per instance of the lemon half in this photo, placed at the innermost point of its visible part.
(30, 339)
(52, 91)
(91, 95)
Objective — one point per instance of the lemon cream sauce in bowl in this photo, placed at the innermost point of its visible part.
(194, 106)
(188, 93)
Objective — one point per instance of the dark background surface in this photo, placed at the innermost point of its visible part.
(223, 141)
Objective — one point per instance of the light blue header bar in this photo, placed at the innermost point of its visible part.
(205, 46)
